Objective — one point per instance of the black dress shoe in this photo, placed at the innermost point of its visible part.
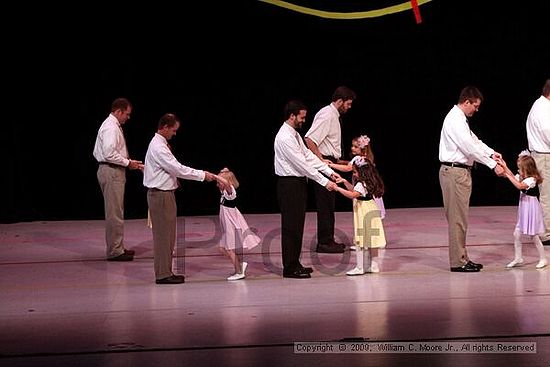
(129, 252)
(465, 269)
(339, 244)
(330, 248)
(298, 274)
(480, 266)
(306, 269)
(121, 257)
(546, 243)
(172, 279)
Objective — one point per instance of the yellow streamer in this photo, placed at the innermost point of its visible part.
(353, 15)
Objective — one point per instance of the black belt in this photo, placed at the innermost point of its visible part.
(112, 165)
(292, 178)
(229, 203)
(534, 191)
(155, 189)
(365, 198)
(458, 165)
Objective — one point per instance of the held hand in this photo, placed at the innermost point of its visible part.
(331, 186)
(224, 184)
(501, 162)
(335, 177)
(497, 155)
(340, 180)
(221, 182)
(136, 165)
(209, 176)
(500, 171)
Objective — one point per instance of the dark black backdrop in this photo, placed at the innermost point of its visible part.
(227, 70)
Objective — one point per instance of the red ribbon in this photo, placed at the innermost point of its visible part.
(416, 10)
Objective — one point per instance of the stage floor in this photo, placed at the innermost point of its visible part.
(64, 305)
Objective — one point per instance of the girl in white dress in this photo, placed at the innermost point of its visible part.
(530, 218)
(367, 223)
(236, 234)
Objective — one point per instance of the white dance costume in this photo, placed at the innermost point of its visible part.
(236, 233)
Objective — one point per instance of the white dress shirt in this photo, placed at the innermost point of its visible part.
(325, 131)
(110, 145)
(538, 126)
(162, 169)
(293, 158)
(458, 144)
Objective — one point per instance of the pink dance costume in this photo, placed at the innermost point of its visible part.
(530, 219)
(530, 222)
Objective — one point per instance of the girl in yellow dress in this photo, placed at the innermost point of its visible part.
(360, 147)
(367, 222)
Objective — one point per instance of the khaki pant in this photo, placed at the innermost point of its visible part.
(456, 188)
(112, 181)
(162, 205)
(543, 165)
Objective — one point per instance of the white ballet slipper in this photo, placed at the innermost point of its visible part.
(542, 263)
(236, 276)
(356, 271)
(373, 267)
(514, 263)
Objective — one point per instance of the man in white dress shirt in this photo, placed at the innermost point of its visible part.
(459, 148)
(324, 139)
(294, 163)
(538, 137)
(112, 155)
(160, 176)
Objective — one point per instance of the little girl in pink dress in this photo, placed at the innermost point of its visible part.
(530, 218)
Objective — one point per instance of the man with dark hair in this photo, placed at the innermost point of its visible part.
(324, 139)
(160, 176)
(459, 148)
(112, 154)
(294, 163)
